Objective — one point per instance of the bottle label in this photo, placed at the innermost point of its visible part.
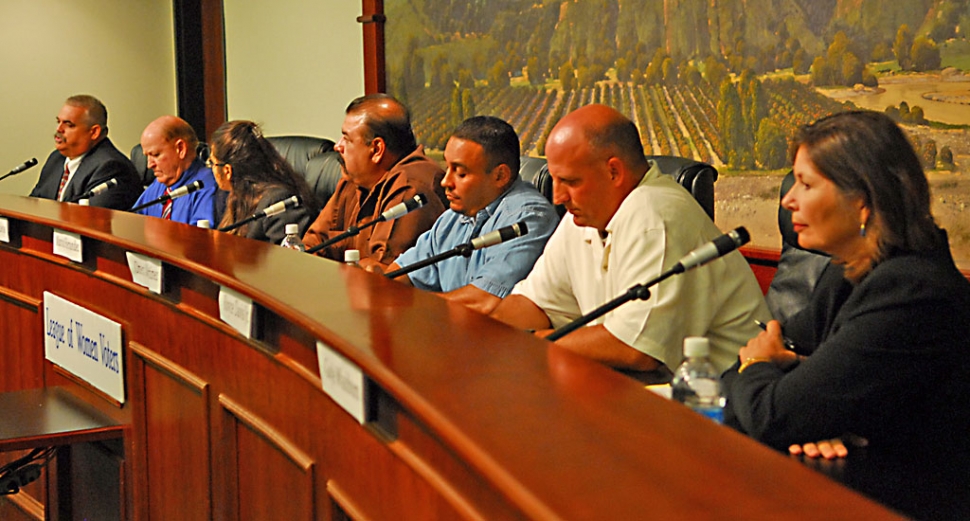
(713, 412)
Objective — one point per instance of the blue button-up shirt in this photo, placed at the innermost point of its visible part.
(495, 269)
(189, 208)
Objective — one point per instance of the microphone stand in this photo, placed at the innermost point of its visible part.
(465, 250)
(638, 292)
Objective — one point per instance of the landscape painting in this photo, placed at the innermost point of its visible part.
(721, 81)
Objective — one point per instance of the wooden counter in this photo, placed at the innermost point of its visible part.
(472, 419)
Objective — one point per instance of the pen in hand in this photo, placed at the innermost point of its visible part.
(789, 345)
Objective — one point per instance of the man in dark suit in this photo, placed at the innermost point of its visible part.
(85, 158)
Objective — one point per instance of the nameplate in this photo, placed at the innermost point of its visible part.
(343, 382)
(4, 230)
(145, 271)
(238, 311)
(67, 244)
(85, 344)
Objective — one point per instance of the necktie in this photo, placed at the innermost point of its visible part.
(167, 206)
(60, 189)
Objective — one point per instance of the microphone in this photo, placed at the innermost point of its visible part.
(20, 168)
(499, 236)
(489, 239)
(107, 185)
(398, 210)
(174, 194)
(719, 247)
(269, 211)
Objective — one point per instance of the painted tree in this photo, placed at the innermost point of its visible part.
(925, 55)
(903, 46)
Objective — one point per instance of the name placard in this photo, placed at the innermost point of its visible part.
(238, 311)
(343, 382)
(84, 343)
(145, 271)
(67, 244)
(4, 230)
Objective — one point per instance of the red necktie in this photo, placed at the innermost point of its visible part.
(167, 207)
(60, 189)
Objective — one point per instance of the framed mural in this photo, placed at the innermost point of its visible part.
(722, 81)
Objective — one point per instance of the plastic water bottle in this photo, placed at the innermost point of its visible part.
(696, 383)
(352, 257)
(292, 239)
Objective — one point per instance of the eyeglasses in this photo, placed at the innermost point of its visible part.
(212, 164)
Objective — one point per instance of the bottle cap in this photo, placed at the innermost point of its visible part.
(352, 256)
(84, 202)
(696, 346)
(203, 223)
(292, 229)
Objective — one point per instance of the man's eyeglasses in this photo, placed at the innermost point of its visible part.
(212, 164)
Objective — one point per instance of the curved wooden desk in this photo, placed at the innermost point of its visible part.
(473, 419)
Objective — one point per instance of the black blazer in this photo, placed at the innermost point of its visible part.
(101, 163)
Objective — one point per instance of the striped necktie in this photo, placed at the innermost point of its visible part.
(167, 206)
(60, 189)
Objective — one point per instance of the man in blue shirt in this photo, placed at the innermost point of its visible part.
(484, 193)
(169, 144)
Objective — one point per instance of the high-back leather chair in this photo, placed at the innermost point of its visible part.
(798, 269)
(697, 177)
(314, 159)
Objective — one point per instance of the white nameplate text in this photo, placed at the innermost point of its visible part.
(343, 382)
(67, 244)
(237, 310)
(85, 344)
(4, 230)
(145, 271)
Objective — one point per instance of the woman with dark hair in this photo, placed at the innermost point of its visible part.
(247, 166)
(890, 362)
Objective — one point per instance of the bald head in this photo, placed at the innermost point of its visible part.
(605, 131)
(595, 159)
(169, 145)
(387, 118)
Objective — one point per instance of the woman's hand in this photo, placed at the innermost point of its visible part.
(769, 345)
(828, 449)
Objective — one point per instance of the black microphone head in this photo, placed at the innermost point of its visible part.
(198, 185)
(740, 236)
(520, 228)
(416, 202)
(31, 162)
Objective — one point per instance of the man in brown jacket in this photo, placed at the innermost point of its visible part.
(382, 166)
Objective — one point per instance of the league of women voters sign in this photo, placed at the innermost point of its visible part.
(84, 343)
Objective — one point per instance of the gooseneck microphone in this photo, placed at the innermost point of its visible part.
(269, 211)
(398, 210)
(719, 247)
(174, 194)
(103, 187)
(489, 239)
(20, 168)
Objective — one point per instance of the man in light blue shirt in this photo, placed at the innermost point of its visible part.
(169, 145)
(484, 193)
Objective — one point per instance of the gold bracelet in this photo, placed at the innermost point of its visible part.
(748, 362)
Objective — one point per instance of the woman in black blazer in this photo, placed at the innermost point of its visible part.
(891, 362)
